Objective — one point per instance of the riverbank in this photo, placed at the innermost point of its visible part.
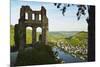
(65, 57)
(75, 51)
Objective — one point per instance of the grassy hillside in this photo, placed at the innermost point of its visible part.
(41, 55)
(81, 38)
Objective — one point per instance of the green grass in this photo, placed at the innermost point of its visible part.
(12, 36)
(28, 36)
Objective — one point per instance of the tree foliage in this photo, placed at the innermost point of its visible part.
(81, 9)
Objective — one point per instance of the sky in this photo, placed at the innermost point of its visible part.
(57, 22)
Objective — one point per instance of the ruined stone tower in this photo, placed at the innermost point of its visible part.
(20, 28)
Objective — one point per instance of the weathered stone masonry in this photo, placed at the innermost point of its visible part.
(20, 28)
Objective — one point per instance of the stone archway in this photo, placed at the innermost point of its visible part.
(40, 20)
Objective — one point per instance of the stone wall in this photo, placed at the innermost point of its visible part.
(20, 28)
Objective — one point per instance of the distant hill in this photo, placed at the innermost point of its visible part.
(80, 38)
(64, 33)
(82, 35)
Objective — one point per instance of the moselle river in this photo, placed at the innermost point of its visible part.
(65, 56)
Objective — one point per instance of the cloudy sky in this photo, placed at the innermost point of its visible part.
(57, 22)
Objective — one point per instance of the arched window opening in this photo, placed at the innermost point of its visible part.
(28, 35)
(38, 34)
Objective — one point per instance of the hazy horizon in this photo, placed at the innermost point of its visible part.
(57, 31)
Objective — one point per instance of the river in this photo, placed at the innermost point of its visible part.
(66, 57)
